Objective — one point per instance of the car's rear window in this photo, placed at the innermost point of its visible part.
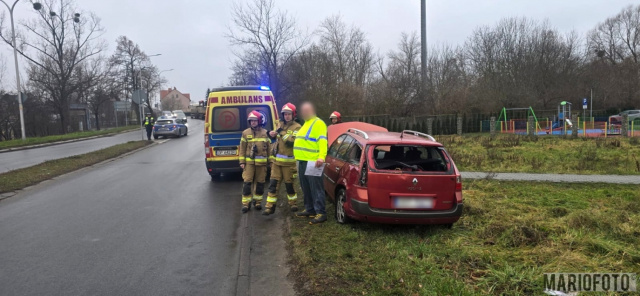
(164, 122)
(409, 158)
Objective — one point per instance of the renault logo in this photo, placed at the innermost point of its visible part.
(415, 181)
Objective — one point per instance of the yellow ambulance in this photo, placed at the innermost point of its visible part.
(226, 118)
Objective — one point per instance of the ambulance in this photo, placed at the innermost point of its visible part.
(226, 118)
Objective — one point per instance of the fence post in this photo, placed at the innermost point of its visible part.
(624, 129)
(530, 126)
(430, 126)
(574, 125)
(492, 126)
(459, 125)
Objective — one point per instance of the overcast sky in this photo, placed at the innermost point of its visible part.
(190, 33)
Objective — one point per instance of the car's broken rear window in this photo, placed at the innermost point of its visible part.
(409, 158)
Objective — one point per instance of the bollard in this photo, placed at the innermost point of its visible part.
(574, 126)
(459, 125)
(624, 128)
(430, 126)
(492, 126)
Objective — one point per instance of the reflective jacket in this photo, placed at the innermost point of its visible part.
(311, 142)
(254, 147)
(148, 121)
(282, 151)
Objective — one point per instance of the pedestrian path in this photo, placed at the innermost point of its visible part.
(566, 178)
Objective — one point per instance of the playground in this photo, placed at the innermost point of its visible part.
(516, 121)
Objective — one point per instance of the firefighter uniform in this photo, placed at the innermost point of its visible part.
(283, 168)
(148, 124)
(254, 154)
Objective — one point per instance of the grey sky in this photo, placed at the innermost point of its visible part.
(190, 33)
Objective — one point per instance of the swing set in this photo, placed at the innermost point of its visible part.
(517, 124)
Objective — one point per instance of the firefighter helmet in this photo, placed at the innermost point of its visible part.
(336, 115)
(288, 107)
(255, 115)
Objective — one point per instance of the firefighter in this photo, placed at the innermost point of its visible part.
(283, 162)
(335, 117)
(148, 124)
(254, 156)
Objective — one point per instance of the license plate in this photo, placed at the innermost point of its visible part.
(412, 203)
(163, 129)
(225, 152)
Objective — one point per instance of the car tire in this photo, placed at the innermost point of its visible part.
(341, 200)
(186, 131)
(155, 137)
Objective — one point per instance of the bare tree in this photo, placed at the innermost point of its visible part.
(269, 38)
(57, 44)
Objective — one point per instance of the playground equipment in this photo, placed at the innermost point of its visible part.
(564, 117)
(517, 125)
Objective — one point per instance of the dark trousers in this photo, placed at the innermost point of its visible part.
(312, 189)
(149, 130)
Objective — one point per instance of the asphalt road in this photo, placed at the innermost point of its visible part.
(29, 157)
(151, 223)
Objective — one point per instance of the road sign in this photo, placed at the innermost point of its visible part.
(121, 105)
(584, 103)
(138, 95)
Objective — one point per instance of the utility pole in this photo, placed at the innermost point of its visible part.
(36, 6)
(423, 43)
(591, 109)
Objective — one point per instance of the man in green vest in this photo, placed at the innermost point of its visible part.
(310, 148)
(148, 124)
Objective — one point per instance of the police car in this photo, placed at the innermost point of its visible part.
(167, 126)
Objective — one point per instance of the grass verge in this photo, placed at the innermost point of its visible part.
(545, 154)
(21, 178)
(56, 138)
(509, 235)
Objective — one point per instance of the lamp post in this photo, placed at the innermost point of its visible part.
(36, 6)
(168, 70)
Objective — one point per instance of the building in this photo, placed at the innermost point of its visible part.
(172, 99)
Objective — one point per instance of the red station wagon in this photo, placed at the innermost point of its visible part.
(387, 177)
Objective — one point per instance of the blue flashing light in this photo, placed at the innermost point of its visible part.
(262, 87)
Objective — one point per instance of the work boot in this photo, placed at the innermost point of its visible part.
(319, 218)
(246, 207)
(305, 214)
(269, 209)
(293, 205)
(257, 204)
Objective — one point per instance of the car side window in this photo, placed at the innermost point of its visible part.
(334, 147)
(344, 148)
(354, 153)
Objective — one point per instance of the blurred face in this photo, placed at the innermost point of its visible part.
(288, 116)
(253, 123)
(334, 120)
(307, 111)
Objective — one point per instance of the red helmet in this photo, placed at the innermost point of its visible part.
(336, 115)
(288, 107)
(255, 115)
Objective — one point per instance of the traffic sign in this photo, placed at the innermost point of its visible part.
(138, 95)
(121, 105)
(584, 103)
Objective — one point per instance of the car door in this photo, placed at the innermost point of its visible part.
(329, 183)
(350, 172)
(337, 161)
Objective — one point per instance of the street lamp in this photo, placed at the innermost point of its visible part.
(36, 6)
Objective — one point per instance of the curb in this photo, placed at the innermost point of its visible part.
(62, 142)
(6, 195)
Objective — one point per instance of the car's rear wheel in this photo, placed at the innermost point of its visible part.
(215, 177)
(186, 131)
(341, 200)
(155, 137)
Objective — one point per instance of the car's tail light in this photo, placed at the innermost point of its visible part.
(174, 126)
(363, 175)
(207, 149)
(458, 189)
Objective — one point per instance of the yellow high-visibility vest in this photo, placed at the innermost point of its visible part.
(311, 141)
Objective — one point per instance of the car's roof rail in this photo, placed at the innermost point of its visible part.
(417, 134)
(358, 132)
